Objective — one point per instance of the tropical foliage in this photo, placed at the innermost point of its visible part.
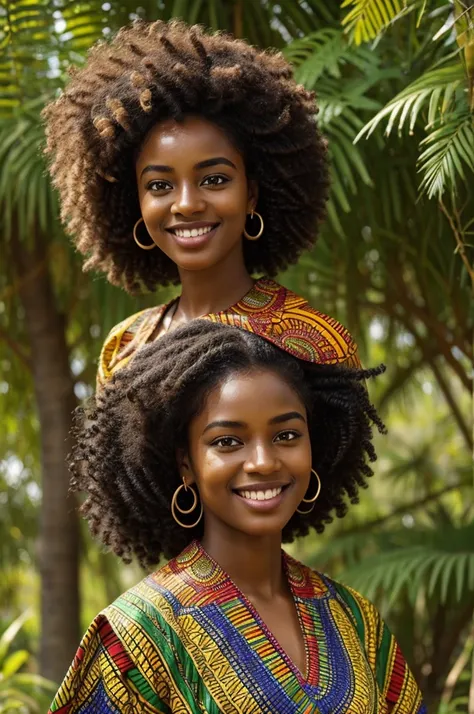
(394, 82)
(20, 691)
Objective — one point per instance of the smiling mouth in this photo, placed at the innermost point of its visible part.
(192, 232)
(260, 495)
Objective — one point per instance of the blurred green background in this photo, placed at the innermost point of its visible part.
(395, 87)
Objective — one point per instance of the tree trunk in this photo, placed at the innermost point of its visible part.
(54, 390)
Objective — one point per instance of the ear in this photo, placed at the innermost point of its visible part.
(252, 195)
(185, 467)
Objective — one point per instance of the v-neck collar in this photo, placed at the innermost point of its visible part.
(247, 302)
(205, 573)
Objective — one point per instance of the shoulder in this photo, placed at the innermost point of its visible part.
(288, 320)
(158, 599)
(124, 339)
(98, 672)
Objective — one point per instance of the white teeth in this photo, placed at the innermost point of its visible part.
(261, 495)
(193, 233)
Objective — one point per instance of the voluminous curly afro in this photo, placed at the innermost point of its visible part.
(126, 441)
(155, 71)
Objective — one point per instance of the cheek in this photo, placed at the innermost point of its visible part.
(152, 206)
(213, 473)
(232, 201)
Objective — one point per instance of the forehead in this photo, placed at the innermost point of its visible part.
(193, 138)
(253, 397)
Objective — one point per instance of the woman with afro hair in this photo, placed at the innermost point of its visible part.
(212, 448)
(187, 157)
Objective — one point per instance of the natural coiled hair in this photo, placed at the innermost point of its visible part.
(127, 439)
(155, 71)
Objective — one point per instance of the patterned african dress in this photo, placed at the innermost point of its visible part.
(268, 309)
(186, 640)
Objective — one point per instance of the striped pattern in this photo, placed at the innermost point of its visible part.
(269, 310)
(186, 640)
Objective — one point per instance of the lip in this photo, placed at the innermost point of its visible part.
(268, 505)
(193, 241)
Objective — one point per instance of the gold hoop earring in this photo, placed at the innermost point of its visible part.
(175, 507)
(313, 499)
(256, 237)
(140, 245)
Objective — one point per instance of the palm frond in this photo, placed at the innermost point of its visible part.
(448, 156)
(24, 187)
(83, 24)
(327, 52)
(348, 168)
(436, 562)
(436, 88)
(319, 52)
(368, 18)
(25, 29)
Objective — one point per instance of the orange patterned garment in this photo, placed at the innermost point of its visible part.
(268, 309)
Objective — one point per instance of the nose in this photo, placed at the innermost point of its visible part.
(188, 201)
(262, 460)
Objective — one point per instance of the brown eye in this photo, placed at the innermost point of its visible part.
(159, 186)
(215, 180)
(287, 436)
(226, 442)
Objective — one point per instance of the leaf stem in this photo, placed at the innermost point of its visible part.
(460, 247)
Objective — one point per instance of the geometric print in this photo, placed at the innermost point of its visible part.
(186, 640)
(268, 309)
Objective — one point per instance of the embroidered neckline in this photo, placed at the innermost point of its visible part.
(205, 571)
(244, 302)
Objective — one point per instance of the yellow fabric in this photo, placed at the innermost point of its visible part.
(269, 310)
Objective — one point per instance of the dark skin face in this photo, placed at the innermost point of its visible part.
(251, 467)
(239, 456)
(192, 178)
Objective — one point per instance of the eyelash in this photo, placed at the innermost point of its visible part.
(223, 180)
(152, 184)
(165, 185)
(218, 442)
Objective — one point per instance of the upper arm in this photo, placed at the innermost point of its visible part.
(394, 678)
(123, 340)
(118, 337)
(103, 675)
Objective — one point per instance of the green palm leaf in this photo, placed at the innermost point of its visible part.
(319, 52)
(320, 61)
(448, 154)
(368, 18)
(436, 562)
(24, 186)
(25, 29)
(436, 88)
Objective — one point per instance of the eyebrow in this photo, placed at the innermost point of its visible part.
(226, 424)
(286, 417)
(162, 168)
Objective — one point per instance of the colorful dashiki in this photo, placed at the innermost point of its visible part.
(186, 640)
(269, 310)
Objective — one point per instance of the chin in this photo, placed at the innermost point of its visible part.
(196, 263)
(263, 530)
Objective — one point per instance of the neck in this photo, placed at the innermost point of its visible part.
(254, 564)
(213, 289)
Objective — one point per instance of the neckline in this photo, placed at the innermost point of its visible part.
(165, 309)
(306, 677)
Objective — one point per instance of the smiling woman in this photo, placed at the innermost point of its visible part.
(211, 194)
(211, 449)
(184, 156)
